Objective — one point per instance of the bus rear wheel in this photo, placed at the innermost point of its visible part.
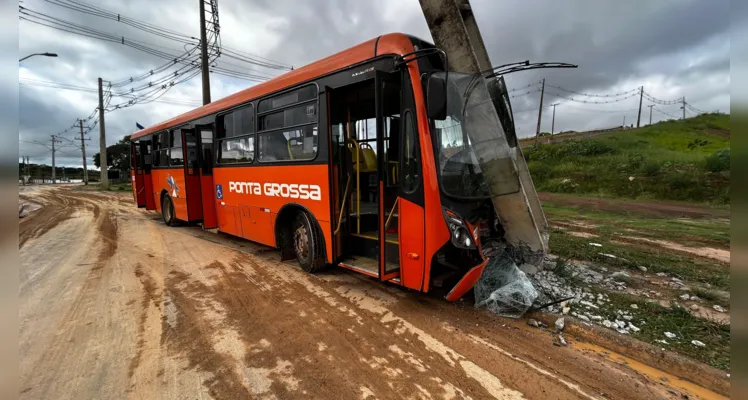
(307, 243)
(167, 211)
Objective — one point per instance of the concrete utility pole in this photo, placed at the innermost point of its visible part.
(102, 140)
(624, 122)
(83, 150)
(553, 121)
(650, 113)
(540, 110)
(204, 55)
(683, 107)
(54, 167)
(455, 31)
(641, 96)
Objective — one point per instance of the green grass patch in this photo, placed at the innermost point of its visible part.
(679, 321)
(696, 232)
(672, 160)
(631, 256)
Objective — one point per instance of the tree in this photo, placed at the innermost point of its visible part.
(117, 156)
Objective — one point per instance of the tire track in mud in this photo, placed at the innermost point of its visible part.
(315, 345)
(151, 295)
(60, 207)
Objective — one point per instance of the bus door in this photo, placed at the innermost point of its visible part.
(146, 162)
(207, 187)
(391, 220)
(192, 174)
(136, 174)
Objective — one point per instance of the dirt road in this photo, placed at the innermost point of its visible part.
(114, 304)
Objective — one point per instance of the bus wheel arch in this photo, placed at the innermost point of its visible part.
(293, 224)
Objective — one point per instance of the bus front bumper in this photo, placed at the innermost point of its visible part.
(467, 282)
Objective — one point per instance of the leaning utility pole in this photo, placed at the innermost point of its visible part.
(102, 140)
(553, 121)
(83, 150)
(641, 96)
(650, 113)
(540, 110)
(204, 55)
(455, 31)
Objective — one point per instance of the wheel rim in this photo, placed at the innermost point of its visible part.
(301, 242)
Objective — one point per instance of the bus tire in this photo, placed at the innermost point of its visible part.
(308, 243)
(167, 211)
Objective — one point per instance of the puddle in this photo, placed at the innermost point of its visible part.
(652, 373)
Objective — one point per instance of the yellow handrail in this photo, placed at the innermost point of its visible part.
(342, 206)
(358, 186)
(389, 217)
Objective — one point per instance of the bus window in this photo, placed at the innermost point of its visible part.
(236, 141)
(285, 145)
(287, 126)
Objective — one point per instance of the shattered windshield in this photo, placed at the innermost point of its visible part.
(471, 140)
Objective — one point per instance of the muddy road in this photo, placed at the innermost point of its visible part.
(114, 304)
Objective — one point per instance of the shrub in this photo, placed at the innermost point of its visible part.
(719, 161)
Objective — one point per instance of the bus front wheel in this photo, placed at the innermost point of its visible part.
(167, 211)
(308, 244)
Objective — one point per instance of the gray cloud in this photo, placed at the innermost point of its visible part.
(673, 48)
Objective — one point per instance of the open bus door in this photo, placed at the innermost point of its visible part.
(146, 162)
(136, 174)
(205, 154)
(193, 187)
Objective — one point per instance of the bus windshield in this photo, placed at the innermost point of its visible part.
(471, 136)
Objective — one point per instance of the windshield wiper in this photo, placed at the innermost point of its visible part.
(523, 66)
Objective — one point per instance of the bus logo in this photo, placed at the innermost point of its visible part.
(173, 187)
(287, 190)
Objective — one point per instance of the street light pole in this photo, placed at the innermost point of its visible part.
(39, 54)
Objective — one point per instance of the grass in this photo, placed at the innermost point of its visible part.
(698, 232)
(655, 260)
(659, 319)
(685, 160)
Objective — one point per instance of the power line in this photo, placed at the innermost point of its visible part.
(664, 113)
(618, 100)
(593, 95)
(173, 35)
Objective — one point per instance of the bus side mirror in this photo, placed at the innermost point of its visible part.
(436, 98)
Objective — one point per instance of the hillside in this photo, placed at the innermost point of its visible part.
(684, 160)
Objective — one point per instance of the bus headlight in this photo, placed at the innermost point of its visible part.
(461, 237)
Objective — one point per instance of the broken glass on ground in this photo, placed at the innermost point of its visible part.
(504, 289)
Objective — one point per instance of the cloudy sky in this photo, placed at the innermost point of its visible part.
(673, 48)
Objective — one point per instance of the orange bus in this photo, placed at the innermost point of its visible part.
(359, 160)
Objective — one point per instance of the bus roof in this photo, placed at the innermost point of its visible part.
(393, 43)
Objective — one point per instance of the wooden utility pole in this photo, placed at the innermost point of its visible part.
(102, 140)
(204, 55)
(540, 110)
(641, 96)
(553, 120)
(650, 113)
(83, 151)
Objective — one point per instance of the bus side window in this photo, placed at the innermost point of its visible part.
(236, 136)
